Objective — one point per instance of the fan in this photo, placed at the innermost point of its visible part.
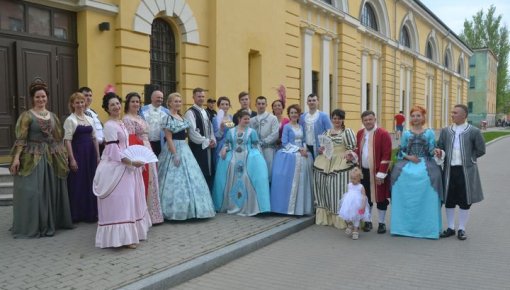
(140, 153)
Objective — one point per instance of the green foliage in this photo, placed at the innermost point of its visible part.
(486, 30)
(491, 135)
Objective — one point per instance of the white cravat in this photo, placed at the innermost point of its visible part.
(364, 152)
(456, 154)
(310, 127)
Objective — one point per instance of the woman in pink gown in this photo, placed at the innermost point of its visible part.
(122, 211)
(139, 134)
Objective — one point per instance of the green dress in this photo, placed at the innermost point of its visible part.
(40, 200)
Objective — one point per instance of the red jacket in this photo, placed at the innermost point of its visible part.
(380, 152)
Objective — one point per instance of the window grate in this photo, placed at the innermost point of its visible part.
(163, 57)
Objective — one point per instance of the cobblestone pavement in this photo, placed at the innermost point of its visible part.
(69, 260)
(324, 258)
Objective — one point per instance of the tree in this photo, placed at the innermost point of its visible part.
(486, 30)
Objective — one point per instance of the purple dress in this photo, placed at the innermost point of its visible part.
(81, 198)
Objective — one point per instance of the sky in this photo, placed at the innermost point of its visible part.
(454, 12)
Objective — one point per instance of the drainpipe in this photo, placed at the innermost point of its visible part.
(395, 62)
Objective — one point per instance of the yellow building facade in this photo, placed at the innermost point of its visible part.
(385, 56)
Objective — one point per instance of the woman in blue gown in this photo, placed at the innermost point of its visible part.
(222, 122)
(417, 183)
(291, 187)
(241, 183)
(183, 191)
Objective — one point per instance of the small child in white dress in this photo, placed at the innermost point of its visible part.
(353, 207)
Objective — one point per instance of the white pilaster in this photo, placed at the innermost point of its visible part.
(307, 65)
(335, 100)
(375, 81)
(446, 103)
(364, 56)
(401, 88)
(325, 89)
(430, 102)
(407, 108)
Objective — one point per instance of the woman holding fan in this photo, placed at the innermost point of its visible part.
(118, 184)
(138, 130)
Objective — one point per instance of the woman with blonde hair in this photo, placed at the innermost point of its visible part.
(416, 182)
(83, 154)
(183, 190)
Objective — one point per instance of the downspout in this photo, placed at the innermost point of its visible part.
(395, 62)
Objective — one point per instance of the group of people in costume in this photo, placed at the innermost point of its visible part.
(246, 164)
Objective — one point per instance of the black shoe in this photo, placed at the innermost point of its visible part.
(381, 229)
(461, 235)
(367, 227)
(447, 233)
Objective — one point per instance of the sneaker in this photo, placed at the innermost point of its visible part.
(348, 231)
(461, 235)
(367, 227)
(355, 235)
(381, 229)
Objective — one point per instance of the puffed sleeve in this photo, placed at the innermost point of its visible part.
(174, 125)
(21, 131)
(70, 125)
(112, 149)
(350, 139)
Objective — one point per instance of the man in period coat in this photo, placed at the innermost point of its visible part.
(244, 101)
(460, 145)
(374, 156)
(267, 126)
(154, 114)
(315, 123)
(201, 135)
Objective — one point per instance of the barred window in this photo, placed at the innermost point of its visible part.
(428, 51)
(405, 39)
(368, 17)
(163, 57)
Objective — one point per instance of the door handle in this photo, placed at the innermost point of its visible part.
(14, 102)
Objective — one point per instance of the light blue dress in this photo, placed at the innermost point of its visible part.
(241, 183)
(291, 187)
(220, 136)
(417, 188)
(183, 190)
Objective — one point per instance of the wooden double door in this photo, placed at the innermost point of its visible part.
(21, 62)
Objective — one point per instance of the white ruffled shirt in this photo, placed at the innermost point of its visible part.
(456, 154)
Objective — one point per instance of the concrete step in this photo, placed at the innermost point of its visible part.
(6, 178)
(6, 191)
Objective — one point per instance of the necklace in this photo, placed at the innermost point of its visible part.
(43, 113)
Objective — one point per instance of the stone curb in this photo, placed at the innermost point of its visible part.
(208, 262)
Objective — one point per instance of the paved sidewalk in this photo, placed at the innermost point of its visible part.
(325, 258)
(69, 260)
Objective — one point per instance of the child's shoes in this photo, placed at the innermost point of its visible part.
(348, 230)
(355, 235)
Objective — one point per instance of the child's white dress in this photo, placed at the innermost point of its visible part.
(351, 202)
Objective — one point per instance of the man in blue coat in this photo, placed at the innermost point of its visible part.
(315, 123)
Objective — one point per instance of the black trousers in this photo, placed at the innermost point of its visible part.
(310, 148)
(156, 147)
(366, 184)
(457, 194)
